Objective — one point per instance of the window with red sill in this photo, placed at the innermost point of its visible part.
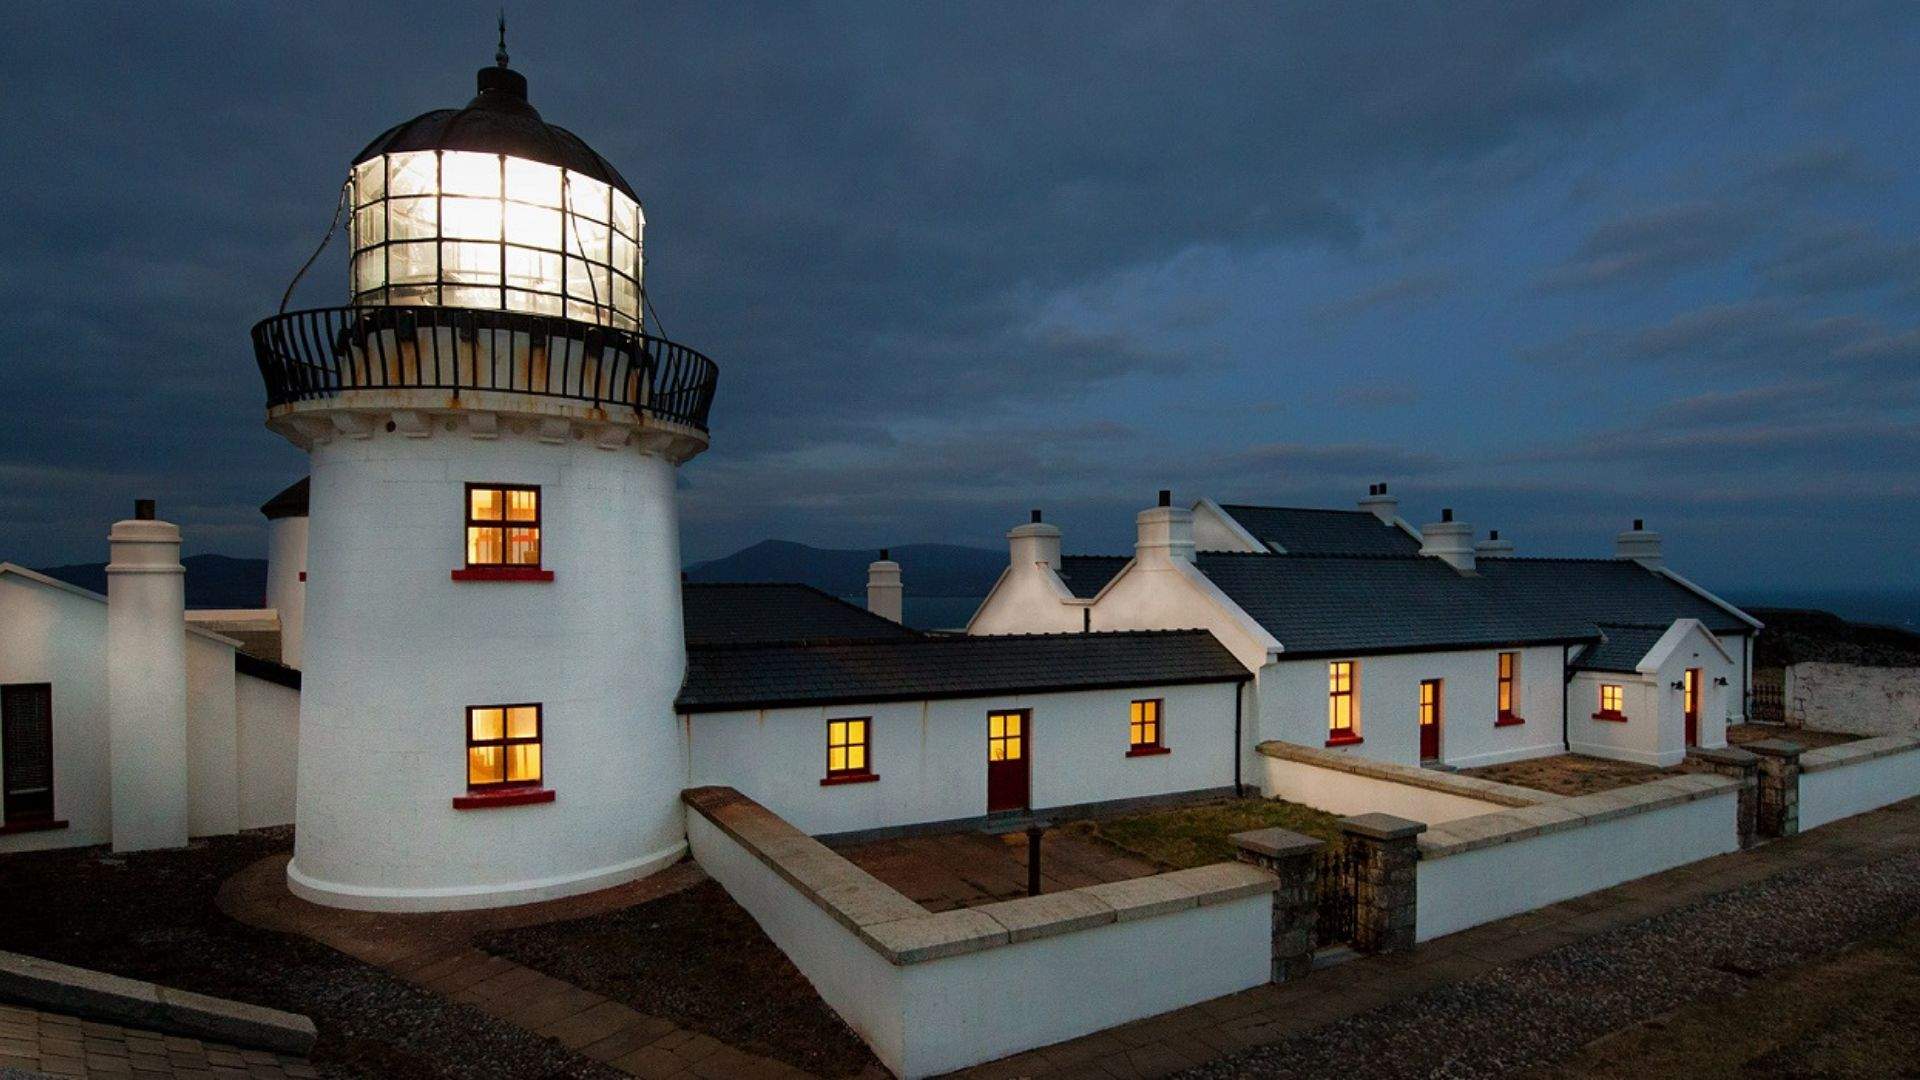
(503, 756)
(1343, 706)
(849, 758)
(1612, 702)
(1509, 672)
(1145, 736)
(503, 534)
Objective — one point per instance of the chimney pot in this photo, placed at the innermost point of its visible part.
(883, 555)
(1383, 487)
(1446, 514)
(1639, 523)
(1035, 518)
(1166, 497)
(143, 510)
(1493, 534)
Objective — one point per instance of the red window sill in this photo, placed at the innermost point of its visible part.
(849, 778)
(1345, 740)
(1147, 751)
(32, 825)
(1618, 718)
(1508, 720)
(483, 800)
(502, 573)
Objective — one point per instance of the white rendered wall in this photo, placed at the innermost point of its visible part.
(931, 756)
(52, 635)
(213, 752)
(1830, 794)
(1474, 887)
(286, 591)
(1347, 794)
(267, 742)
(146, 666)
(395, 652)
(935, 1016)
(1637, 739)
(1293, 705)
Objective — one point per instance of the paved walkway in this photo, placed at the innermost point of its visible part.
(1165, 1044)
(956, 870)
(433, 951)
(41, 1043)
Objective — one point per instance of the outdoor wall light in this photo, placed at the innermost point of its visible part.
(1719, 680)
(1679, 685)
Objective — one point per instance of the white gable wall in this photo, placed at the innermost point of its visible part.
(51, 635)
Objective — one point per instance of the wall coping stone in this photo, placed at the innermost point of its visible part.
(1724, 755)
(1378, 826)
(1276, 843)
(906, 933)
(1780, 748)
(97, 995)
(1462, 835)
(1855, 753)
(1465, 787)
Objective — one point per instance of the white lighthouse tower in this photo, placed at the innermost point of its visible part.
(492, 630)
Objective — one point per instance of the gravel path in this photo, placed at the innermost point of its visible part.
(1539, 1011)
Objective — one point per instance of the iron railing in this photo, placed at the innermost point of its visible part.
(1336, 895)
(317, 354)
(1769, 704)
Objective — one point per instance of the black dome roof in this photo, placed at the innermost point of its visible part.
(498, 120)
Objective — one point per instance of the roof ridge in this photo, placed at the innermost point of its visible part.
(924, 639)
(1293, 509)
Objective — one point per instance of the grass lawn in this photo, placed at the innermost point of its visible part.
(1197, 835)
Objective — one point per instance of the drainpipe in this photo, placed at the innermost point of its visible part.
(1566, 693)
(1239, 696)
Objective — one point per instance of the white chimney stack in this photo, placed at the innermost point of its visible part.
(1034, 542)
(883, 587)
(1639, 545)
(147, 683)
(1450, 540)
(1383, 506)
(1493, 547)
(1165, 532)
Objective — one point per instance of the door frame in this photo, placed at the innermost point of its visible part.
(1026, 760)
(1691, 681)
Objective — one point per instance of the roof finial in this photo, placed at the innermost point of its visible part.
(500, 54)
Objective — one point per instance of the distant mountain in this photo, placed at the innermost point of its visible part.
(925, 569)
(213, 581)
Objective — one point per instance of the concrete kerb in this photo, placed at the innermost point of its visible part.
(28, 980)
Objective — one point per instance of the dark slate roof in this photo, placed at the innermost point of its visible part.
(291, 502)
(1614, 592)
(1307, 531)
(729, 613)
(1318, 605)
(1622, 651)
(1086, 575)
(911, 669)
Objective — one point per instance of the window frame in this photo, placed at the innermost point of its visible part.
(1618, 712)
(863, 774)
(1158, 724)
(1506, 694)
(1349, 735)
(1019, 737)
(36, 821)
(502, 571)
(505, 742)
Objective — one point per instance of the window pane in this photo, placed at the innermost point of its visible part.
(523, 722)
(485, 545)
(483, 765)
(523, 762)
(486, 724)
(369, 225)
(626, 215)
(1013, 723)
(470, 219)
(486, 504)
(523, 504)
(535, 302)
(587, 197)
(586, 312)
(856, 757)
(523, 547)
(413, 219)
(996, 750)
(836, 759)
(411, 263)
(530, 181)
(370, 181)
(471, 264)
(410, 173)
(465, 173)
(370, 269)
(588, 238)
(539, 270)
(626, 297)
(533, 225)
(471, 296)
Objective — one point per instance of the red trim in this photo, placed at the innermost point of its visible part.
(303, 575)
(36, 825)
(482, 800)
(1147, 751)
(1618, 718)
(849, 778)
(1508, 720)
(502, 573)
(1345, 740)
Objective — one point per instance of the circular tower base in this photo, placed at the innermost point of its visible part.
(361, 898)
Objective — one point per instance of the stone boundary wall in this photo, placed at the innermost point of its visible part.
(933, 992)
(1853, 778)
(1477, 869)
(1851, 698)
(1347, 784)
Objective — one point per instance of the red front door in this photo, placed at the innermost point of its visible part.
(1007, 774)
(1691, 703)
(1430, 720)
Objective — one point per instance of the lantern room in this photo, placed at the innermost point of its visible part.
(489, 206)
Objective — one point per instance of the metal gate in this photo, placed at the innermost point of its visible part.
(1769, 696)
(1337, 896)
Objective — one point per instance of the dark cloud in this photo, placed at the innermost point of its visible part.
(1649, 247)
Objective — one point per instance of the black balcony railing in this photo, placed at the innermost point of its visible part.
(317, 354)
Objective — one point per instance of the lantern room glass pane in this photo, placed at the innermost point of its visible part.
(470, 296)
(470, 264)
(465, 173)
(539, 270)
(588, 281)
(538, 303)
(370, 269)
(626, 256)
(588, 238)
(370, 181)
(626, 215)
(587, 197)
(470, 219)
(413, 218)
(533, 225)
(369, 225)
(408, 263)
(411, 173)
(626, 297)
(532, 182)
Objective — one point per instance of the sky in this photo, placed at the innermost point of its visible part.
(1554, 266)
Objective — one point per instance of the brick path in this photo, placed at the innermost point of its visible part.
(432, 951)
(955, 870)
(56, 1045)
(1171, 1042)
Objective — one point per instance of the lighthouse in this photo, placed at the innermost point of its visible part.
(492, 634)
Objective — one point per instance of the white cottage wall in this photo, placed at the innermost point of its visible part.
(213, 753)
(267, 744)
(49, 634)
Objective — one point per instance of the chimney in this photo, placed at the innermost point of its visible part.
(1383, 506)
(1493, 547)
(1165, 532)
(883, 587)
(1034, 542)
(1639, 545)
(147, 683)
(1450, 540)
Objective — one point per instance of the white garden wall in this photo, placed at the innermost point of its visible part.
(1853, 778)
(268, 745)
(1341, 784)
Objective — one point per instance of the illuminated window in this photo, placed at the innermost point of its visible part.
(1509, 682)
(1429, 702)
(1690, 699)
(847, 753)
(1612, 699)
(1004, 736)
(503, 746)
(1143, 726)
(503, 525)
(1343, 713)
